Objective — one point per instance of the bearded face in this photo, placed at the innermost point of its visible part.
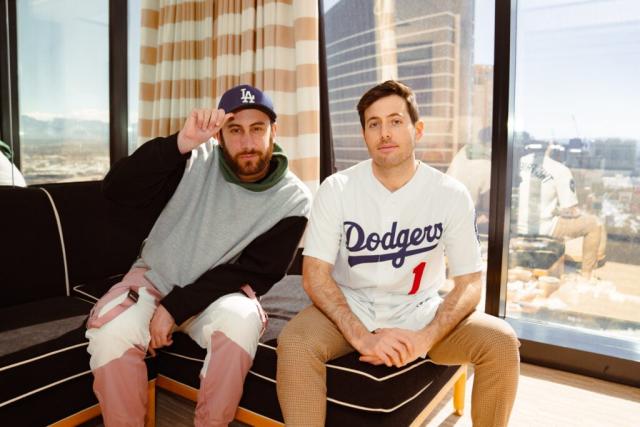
(247, 141)
(249, 162)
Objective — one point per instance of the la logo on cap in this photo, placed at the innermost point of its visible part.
(247, 97)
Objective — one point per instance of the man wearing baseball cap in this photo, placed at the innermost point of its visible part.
(232, 221)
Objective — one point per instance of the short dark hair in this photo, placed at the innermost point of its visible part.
(388, 88)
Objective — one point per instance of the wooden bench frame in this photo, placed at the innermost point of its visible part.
(457, 382)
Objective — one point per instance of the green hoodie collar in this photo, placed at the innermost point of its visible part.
(277, 170)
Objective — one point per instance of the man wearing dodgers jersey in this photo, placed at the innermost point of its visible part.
(374, 262)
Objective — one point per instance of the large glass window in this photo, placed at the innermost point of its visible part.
(574, 257)
(63, 82)
(444, 51)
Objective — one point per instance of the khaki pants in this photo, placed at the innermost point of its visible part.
(593, 241)
(310, 340)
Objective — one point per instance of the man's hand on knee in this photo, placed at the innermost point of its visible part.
(162, 324)
(385, 346)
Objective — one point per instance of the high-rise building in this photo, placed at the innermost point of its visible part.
(427, 44)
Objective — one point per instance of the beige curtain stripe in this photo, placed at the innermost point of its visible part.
(286, 103)
(161, 127)
(305, 52)
(307, 169)
(186, 50)
(149, 19)
(269, 80)
(199, 10)
(193, 51)
(272, 35)
(306, 28)
(305, 122)
(185, 11)
(302, 123)
(148, 55)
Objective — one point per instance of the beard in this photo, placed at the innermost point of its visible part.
(255, 166)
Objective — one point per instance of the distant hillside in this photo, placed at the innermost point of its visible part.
(63, 128)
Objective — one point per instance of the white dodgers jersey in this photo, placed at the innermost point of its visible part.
(388, 248)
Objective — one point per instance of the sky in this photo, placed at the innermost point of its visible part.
(577, 69)
(63, 58)
(577, 63)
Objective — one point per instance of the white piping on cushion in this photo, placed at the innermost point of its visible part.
(64, 251)
(44, 388)
(183, 357)
(266, 346)
(75, 288)
(364, 408)
(263, 377)
(86, 300)
(48, 385)
(42, 356)
(364, 374)
(338, 402)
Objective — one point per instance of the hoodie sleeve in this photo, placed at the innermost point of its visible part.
(152, 172)
(261, 264)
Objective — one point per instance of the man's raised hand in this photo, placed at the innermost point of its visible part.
(201, 125)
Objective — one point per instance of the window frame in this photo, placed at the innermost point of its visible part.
(9, 111)
(118, 95)
(539, 343)
(549, 346)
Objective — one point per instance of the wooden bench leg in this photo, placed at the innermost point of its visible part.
(458, 392)
(151, 404)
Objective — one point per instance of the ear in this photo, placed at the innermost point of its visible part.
(274, 128)
(218, 137)
(419, 126)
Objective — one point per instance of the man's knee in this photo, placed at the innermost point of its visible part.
(238, 319)
(295, 342)
(105, 346)
(503, 342)
(592, 222)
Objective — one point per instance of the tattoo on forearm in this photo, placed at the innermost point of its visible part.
(458, 304)
(327, 296)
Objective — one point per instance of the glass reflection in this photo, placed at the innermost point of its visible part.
(574, 256)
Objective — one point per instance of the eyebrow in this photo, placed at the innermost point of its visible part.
(390, 115)
(231, 124)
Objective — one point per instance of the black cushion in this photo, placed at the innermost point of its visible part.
(30, 249)
(44, 362)
(101, 238)
(356, 391)
(42, 343)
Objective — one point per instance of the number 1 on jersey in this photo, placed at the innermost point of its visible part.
(417, 277)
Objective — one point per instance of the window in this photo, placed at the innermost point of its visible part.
(444, 52)
(574, 253)
(63, 89)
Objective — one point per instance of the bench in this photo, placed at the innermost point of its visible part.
(64, 245)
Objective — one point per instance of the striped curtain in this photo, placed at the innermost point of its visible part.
(193, 51)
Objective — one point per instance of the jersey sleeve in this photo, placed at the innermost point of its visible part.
(566, 189)
(322, 238)
(461, 242)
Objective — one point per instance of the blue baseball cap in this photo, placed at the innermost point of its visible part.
(246, 96)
